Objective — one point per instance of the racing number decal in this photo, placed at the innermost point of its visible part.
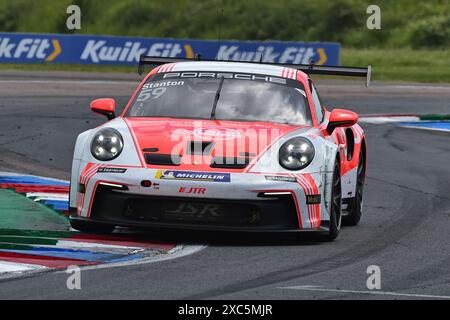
(151, 93)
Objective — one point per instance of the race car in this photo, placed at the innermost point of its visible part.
(224, 146)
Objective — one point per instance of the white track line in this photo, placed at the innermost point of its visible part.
(424, 128)
(378, 120)
(177, 252)
(369, 292)
(63, 196)
(7, 267)
(39, 199)
(14, 174)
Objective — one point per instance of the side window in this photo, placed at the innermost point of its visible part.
(317, 103)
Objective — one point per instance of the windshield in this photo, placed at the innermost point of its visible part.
(241, 97)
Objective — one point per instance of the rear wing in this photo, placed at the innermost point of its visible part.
(307, 68)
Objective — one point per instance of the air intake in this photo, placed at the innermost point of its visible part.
(163, 159)
(230, 163)
(199, 147)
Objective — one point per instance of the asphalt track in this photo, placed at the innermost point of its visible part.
(404, 229)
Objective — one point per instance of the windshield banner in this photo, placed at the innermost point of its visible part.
(112, 50)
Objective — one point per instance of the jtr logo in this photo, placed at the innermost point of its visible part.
(192, 190)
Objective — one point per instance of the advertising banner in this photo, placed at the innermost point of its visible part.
(113, 50)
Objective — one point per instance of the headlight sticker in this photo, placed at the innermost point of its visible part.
(281, 178)
(111, 170)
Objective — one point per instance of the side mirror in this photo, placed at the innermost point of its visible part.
(341, 118)
(104, 106)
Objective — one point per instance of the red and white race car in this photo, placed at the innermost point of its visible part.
(211, 145)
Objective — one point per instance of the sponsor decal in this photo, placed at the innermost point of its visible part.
(88, 49)
(313, 199)
(216, 133)
(281, 178)
(29, 48)
(152, 85)
(111, 170)
(192, 190)
(219, 75)
(151, 93)
(193, 175)
(209, 133)
(99, 51)
(291, 54)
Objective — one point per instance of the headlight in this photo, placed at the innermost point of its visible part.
(107, 144)
(296, 154)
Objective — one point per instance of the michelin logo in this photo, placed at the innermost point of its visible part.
(29, 48)
(291, 55)
(193, 175)
(98, 51)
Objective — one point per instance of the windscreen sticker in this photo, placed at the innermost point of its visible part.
(151, 93)
(301, 91)
(152, 85)
(218, 75)
(155, 90)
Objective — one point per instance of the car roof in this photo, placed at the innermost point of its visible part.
(235, 67)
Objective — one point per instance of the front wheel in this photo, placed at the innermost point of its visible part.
(336, 204)
(91, 227)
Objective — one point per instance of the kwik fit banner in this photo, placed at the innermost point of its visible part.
(87, 49)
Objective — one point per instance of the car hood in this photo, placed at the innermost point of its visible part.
(196, 144)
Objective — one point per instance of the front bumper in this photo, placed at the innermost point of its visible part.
(124, 209)
(249, 202)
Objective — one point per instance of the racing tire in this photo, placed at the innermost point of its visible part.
(336, 204)
(90, 227)
(354, 210)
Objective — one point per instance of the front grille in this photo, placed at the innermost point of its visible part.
(188, 211)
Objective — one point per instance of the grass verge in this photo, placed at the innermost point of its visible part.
(402, 64)
(429, 66)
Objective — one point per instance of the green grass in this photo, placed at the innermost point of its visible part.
(402, 64)
(404, 23)
(388, 65)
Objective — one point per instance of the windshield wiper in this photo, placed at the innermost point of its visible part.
(216, 99)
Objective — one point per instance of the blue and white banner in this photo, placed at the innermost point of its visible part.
(87, 49)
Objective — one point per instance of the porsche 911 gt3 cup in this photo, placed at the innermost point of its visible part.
(232, 146)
